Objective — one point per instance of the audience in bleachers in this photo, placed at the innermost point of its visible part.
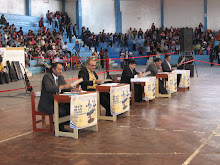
(50, 44)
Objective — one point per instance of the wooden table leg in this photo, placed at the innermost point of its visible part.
(56, 117)
(98, 106)
(157, 87)
(132, 94)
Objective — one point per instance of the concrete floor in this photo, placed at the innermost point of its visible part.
(180, 130)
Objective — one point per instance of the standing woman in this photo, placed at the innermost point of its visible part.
(101, 55)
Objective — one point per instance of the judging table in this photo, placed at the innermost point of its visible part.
(142, 81)
(59, 98)
(183, 87)
(162, 75)
(106, 88)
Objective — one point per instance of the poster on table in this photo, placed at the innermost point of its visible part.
(172, 83)
(150, 89)
(2, 53)
(185, 79)
(120, 99)
(83, 111)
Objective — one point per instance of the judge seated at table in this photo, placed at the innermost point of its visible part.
(168, 67)
(129, 72)
(53, 83)
(90, 80)
(155, 68)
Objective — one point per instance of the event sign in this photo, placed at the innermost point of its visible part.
(185, 79)
(150, 89)
(119, 99)
(83, 111)
(172, 83)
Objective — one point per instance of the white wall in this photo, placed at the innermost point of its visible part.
(13, 7)
(213, 15)
(188, 13)
(99, 15)
(70, 7)
(140, 14)
(39, 8)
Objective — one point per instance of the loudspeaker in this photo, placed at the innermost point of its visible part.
(186, 39)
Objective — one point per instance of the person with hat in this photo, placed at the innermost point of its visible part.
(77, 47)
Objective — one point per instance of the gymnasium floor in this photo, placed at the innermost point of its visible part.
(180, 130)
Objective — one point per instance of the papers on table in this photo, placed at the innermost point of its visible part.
(77, 82)
(105, 80)
(146, 73)
(68, 94)
(179, 71)
(142, 79)
(110, 84)
(183, 60)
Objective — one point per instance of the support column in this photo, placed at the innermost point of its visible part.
(79, 16)
(162, 13)
(205, 15)
(28, 7)
(118, 16)
(63, 6)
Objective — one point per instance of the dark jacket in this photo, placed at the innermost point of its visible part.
(166, 68)
(83, 73)
(127, 75)
(48, 89)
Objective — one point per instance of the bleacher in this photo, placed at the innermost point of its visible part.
(31, 23)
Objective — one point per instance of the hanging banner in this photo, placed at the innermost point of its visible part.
(83, 111)
(150, 89)
(185, 79)
(172, 83)
(120, 99)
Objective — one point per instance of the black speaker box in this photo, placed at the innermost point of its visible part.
(186, 39)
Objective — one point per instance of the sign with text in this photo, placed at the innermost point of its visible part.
(172, 83)
(120, 99)
(83, 111)
(150, 89)
(185, 79)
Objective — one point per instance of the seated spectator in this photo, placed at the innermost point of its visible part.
(197, 48)
(134, 33)
(3, 20)
(140, 33)
(1, 30)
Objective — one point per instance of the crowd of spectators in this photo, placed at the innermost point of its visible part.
(44, 43)
(50, 44)
(156, 40)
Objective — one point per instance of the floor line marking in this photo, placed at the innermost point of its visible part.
(15, 137)
(172, 153)
(201, 146)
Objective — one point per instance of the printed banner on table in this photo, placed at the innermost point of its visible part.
(150, 89)
(83, 111)
(2, 53)
(120, 99)
(172, 82)
(185, 79)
